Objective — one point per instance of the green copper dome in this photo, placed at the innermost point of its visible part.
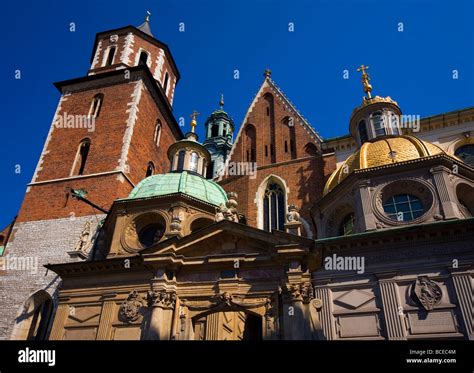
(180, 182)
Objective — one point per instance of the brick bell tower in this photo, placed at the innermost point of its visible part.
(111, 129)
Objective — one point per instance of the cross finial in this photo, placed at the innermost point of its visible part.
(221, 102)
(365, 80)
(267, 73)
(193, 120)
(147, 17)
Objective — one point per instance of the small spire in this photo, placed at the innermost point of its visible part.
(267, 73)
(365, 80)
(221, 102)
(147, 17)
(193, 120)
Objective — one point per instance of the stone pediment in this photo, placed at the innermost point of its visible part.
(229, 238)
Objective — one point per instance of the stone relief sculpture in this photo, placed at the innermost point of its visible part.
(426, 292)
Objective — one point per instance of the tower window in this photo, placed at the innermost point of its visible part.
(286, 146)
(96, 104)
(379, 124)
(150, 170)
(363, 132)
(81, 157)
(166, 81)
(110, 57)
(181, 156)
(273, 208)
(394, 124)
(215, 130)
(157, 135)
(266, 150)
(193, 162)
(268, 111)
(143, 58)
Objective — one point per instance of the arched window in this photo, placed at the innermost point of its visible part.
(81, 157)
(363, 132)
(251, 143)
(110, 56)
(466, 154)
(311, 150)
(403, 207)
(379, 124)
(347, 225)
(150, 170)
(394, 124)
(150, 234)
(96, 104)
(165, 82)
(215, 130)
(181, 155)
(143, 58)
(274, 208)
(34, 321)
(194, 162)
(157, 135)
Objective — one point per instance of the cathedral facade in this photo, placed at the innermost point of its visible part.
(267, 233)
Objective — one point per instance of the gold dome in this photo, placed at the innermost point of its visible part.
(381, 152)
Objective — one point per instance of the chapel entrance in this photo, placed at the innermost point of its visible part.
(228, 326)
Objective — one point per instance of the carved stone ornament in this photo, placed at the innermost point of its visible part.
(86, 240)
(113, 38)
(426, 292)
(130, 309)
(293, 215)
(162, 299)
(298, 292)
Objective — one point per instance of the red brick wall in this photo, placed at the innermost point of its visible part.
(48, 201)
(304, 176)
(152, 49)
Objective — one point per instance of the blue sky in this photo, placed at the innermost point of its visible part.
(415, 67)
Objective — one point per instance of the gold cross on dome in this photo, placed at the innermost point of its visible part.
(193, 120)
(365, 80)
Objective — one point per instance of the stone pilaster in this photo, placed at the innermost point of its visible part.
(464, 291)
(57, 331)
(446, 198)
(365, 218)
(327, 323)
(393, 312)
(106, 318)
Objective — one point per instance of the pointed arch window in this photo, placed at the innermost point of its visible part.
(274, 207)
(81, 157)
(157, 135)
(150, 170)
(96, 105)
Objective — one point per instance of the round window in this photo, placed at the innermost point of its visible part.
(466, 154)
(150, 234)
(403, 207)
